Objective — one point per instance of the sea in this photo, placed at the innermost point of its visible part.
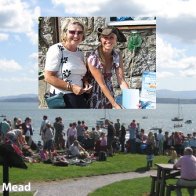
(151, 118)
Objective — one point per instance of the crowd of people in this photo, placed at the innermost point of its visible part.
(19, 134)
(80, 142)
(112, 138)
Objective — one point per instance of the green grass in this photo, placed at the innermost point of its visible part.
(135, 187)
(119, 163)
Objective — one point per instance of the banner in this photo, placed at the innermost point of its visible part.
(148, 92)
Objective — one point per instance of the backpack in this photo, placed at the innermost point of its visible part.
(102, 156)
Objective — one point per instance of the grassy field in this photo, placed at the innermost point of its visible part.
(37, 172)
(135, 187)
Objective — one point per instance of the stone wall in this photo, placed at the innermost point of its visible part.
(135, 62)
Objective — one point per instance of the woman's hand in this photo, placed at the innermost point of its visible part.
(116, 106)
(77, 90)
(88, 87)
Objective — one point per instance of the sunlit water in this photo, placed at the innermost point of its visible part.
(160, 117)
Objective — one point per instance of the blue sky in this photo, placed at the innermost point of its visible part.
(176, 40)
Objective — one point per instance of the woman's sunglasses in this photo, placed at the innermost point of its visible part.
(75, 32)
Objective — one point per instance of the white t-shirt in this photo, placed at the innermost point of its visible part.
(48, 135)
(160, 137)
(74, 150)
(73, 68)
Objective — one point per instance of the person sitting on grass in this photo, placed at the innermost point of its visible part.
(77, 150)
(87, 142)
(18, 142)
(187, 165)
(173, 155)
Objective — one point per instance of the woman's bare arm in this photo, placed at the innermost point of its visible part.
(120, 75)
(96, 73)
(50, 77)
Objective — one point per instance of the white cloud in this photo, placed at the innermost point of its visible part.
(3, 37)
(167, 55)
(167, 8)
(189, 73)
(189, 63)
(164, 74)
(164, 8)
(81, 7)
(182, 28)
(17, 16)
(174, 61)
(9, 65)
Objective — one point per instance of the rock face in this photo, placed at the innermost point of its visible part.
(139, 52)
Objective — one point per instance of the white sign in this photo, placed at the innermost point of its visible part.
(148, 92)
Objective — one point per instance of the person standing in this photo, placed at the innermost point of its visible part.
(132, 136)
(71, 134)
(103, 142)
(4, 128)
(117, 127)
(48, 138)
(150, 150)
(160, 141)
(193, 143)
(80, 132)
(187, 165)
(43, 126)
(103, 63)
(65, 68)
(110, 136)
(122, 138)
(58, 139)
(27, 130)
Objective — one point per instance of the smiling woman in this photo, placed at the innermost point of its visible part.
(65, 67)
(101, 63)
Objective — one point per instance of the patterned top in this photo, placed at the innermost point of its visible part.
(69, 66)
(98, 99)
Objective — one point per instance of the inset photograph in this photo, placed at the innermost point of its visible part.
(97, 62)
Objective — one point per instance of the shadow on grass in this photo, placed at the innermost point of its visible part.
(141, 170)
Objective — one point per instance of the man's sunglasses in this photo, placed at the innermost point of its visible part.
(75, 32)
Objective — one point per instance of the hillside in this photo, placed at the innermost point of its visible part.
(163, 96)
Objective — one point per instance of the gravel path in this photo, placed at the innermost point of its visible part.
(82, 186)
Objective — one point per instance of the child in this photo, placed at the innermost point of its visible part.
(150, 150)
(149, 155)
(173, 155)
